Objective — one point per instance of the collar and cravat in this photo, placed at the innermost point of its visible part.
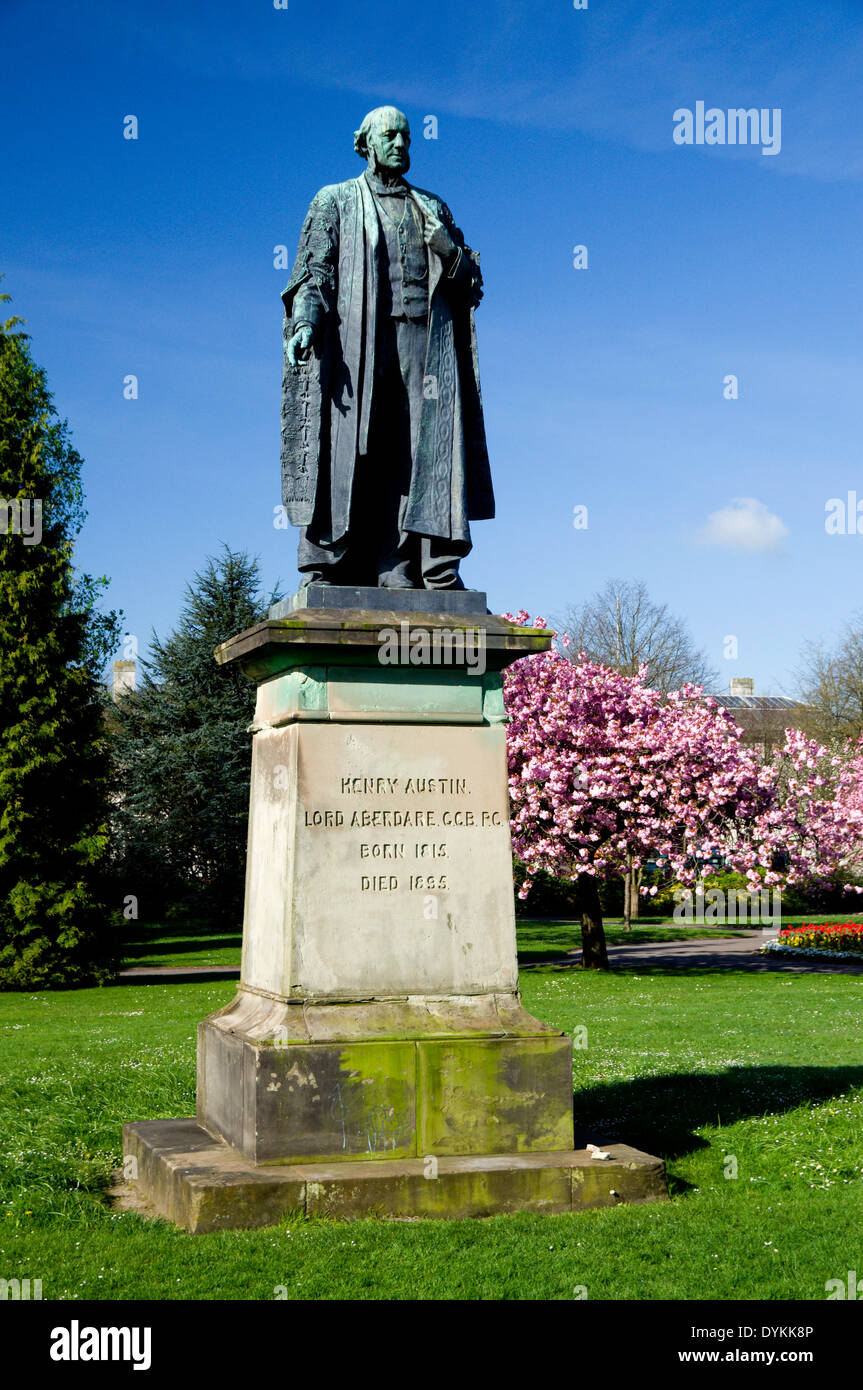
(385, 190)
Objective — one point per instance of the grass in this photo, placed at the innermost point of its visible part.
(539, 940)
(200, 943)
(181, 944)
(700, 1067)
(190, 943)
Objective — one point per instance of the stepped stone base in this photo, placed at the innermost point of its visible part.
(377, 1059)
(382, 1080)
(201, 1184)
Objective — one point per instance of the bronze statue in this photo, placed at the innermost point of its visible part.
(384, 459)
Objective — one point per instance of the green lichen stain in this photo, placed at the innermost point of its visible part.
(480, 1194)
(484, 1097)
(378, 1097)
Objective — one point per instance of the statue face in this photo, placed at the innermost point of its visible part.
(388, 143)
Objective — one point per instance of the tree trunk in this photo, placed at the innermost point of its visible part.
(593, 952)
(627, 899)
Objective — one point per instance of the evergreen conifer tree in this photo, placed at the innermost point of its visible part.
(183, 754)
(54, 921)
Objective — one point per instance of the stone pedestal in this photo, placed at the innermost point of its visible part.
(377, 1050)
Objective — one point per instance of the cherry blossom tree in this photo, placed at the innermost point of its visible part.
(816, 811)
(605, 772)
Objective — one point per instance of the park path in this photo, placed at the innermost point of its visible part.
(176, 974)
(725, 953)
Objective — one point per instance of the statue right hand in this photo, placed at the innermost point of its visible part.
(300, 345)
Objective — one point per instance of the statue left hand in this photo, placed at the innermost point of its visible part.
(437, 238)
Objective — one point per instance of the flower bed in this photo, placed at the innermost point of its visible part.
(842, 939)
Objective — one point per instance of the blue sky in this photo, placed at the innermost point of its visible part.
(602, 387)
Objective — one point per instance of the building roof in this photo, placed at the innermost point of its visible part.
(756, 702)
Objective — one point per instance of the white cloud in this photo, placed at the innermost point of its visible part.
(745, 524)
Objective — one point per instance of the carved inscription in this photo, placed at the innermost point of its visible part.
(406, 861)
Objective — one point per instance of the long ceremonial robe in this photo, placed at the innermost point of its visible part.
(327, 404)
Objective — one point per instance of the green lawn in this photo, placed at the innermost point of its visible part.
(696, 1066)
(541, 939)
(182, 943)
(199, 943)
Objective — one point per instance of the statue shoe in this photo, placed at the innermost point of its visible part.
(394, 580)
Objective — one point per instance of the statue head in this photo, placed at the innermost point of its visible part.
(383, 140)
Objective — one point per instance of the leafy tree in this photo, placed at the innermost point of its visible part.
(53, 644)
(182, 753)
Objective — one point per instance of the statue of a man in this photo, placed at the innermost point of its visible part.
(384, 460)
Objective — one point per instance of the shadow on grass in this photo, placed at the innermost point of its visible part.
(699, 963)
(744, 962)
(167, 930)
(549, 958)
(659, 1113)
(137, 950)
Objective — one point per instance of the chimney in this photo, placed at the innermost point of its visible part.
(738, 685)
(124, 678)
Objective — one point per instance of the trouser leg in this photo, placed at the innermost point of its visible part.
(439, 562)
(397, 422)
(319, 563)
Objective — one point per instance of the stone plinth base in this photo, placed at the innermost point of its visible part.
(383, 1080)
(203, 1185)
(377, 1058)
(435, 601)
